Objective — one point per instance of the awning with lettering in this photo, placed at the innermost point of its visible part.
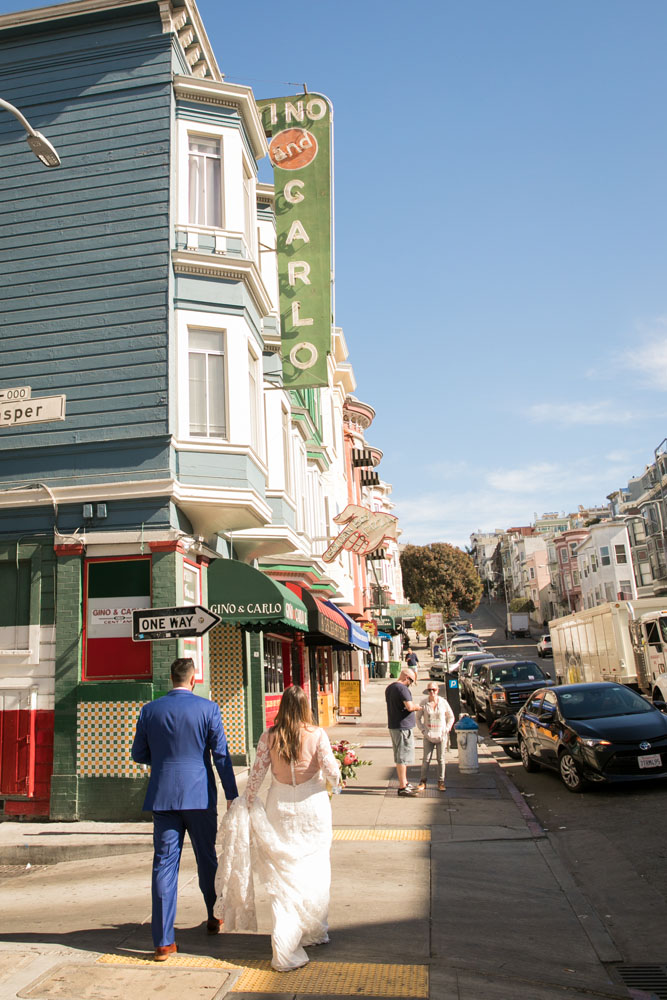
(324, 620)
(247, 597)
(357, 635)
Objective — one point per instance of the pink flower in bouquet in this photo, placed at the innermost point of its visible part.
(349, 758)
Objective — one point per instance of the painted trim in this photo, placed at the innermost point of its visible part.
(238, 269)
(230, 95)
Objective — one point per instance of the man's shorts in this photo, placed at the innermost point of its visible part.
(404, 746)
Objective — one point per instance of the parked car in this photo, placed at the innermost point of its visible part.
(544, 647)
(503, 731)
(594, 732)
(502, 688)
(470, 670)
(438, 670)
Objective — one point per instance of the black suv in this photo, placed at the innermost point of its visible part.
(502, 688)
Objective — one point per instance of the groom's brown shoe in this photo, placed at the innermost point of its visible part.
(162, 952)
(213, 925)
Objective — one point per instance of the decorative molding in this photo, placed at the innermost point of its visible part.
(74, 549)
(208, 266)
(228, 95)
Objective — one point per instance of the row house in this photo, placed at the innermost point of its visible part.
(605, 564)
(483, 548)
(174, 469)
(642, 505)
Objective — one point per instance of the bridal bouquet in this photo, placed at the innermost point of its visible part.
(349, 762)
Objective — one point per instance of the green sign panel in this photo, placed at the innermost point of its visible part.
(300, 151)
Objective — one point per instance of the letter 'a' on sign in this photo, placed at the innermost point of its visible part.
(300, 151)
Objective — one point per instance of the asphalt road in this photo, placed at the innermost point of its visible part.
(613, 838)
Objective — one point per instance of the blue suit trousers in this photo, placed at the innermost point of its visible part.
(169, 828)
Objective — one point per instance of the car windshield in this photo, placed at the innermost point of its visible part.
(601, 703)
(517, 672)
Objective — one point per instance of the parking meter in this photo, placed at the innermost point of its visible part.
(453, 696)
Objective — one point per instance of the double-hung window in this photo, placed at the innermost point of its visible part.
(621, 554)
(206, 370)
(253, 399)
(205, 181)
(605, 558)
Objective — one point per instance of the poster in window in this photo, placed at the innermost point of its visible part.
(114, 588)
(193, 647)
(349, 698)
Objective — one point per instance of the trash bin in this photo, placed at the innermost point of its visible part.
(467, 734)
(381, 668)
(394, 667)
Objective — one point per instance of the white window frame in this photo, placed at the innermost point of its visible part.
(211, 137)
(255, 436)
(192, 328)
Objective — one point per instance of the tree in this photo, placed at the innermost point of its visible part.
(522, 604)
(440, 576)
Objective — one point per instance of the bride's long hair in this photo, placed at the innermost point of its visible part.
(294, 713)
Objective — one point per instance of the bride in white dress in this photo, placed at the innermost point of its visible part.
(287, 845)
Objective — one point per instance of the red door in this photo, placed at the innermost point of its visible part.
(17, 747)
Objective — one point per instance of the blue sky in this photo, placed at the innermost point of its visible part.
(500, 236)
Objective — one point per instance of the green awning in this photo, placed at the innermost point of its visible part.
(247, 597)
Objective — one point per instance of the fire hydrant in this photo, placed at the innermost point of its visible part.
(467, 737)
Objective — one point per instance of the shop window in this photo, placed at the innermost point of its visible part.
(113, 589)
(273, 667)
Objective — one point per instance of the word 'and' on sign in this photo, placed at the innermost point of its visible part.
(18, 406)
(172, 623)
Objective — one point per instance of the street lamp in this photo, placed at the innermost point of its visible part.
(39, 144)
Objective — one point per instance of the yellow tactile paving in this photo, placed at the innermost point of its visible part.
(184, 961)
(337, 978)
(325, 978)
(392, 834)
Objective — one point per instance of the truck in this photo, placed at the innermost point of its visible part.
(623, 641)
(518, 623)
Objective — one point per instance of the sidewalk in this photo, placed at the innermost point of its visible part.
(450, 896)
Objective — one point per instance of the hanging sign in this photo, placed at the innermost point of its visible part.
(300, 151)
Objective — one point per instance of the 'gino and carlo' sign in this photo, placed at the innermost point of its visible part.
(300, 151)
(274, 609)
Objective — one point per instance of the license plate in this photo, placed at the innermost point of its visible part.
(654, 760)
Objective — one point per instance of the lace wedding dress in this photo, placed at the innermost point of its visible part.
(285, 845)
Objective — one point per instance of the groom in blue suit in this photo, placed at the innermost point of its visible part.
(177, 735)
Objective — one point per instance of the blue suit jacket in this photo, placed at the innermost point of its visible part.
(177, 735)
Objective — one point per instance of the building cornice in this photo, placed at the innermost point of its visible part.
(189, 262)
(226, 95)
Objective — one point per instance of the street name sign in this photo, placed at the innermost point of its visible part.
(34, 410)
(16, 392)
(172, 623)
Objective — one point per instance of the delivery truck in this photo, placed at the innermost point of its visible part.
(625, 641)
(518, 623)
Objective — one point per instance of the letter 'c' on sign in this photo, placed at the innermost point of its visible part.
(292, 196)
(305, 346)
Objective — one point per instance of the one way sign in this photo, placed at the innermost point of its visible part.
(172, 623)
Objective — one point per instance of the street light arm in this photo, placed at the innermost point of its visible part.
(39, 144)
(17, 114)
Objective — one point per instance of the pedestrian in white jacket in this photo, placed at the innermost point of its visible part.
(435, 718)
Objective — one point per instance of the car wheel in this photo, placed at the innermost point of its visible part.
(513, 752)
(528, 763)
(488, 716)
(478, 710)
(540, 653)
(570, 773)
